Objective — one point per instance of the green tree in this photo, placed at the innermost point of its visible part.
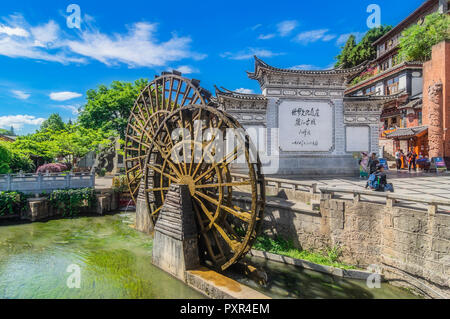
(13, 161)
(344, 58)
(417, 41)
(53, 123)
(108, 108)
(353, 55)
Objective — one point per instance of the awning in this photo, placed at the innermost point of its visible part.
(405, 133)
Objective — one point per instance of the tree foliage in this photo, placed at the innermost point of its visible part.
(353, 54)
(12, 160)
(53, 123)
(74, 141)
(417, 41)
(108, 108)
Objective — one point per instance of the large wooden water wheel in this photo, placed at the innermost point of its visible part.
(166, 93)
(195, 145)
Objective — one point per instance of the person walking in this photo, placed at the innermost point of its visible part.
(364, 165)
(398, 158)
(412, 156)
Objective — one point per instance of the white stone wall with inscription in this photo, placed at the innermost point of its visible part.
(305, 126)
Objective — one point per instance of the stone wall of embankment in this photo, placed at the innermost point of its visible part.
(410, 244)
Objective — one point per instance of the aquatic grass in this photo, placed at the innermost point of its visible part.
(281, 246)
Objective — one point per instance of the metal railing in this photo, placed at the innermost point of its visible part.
(38, 183)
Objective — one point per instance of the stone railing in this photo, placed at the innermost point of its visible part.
(38, 183)
(390, 199)
(282, 183)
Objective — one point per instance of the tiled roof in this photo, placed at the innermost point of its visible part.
(407, 132)
(260, 64)
(237, 95)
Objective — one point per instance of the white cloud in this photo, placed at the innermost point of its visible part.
(71, 108)
(249, 53)
(304, 67)
(256, 26)
(45, 35)
(266, 36)
(18, 121)
(20, 94)
(314, 36)
(245, 91)
(186, 69)
(64, 96)
(285, 27)
(311, 67)
(138, 47)
(13, 31)
(342, 39)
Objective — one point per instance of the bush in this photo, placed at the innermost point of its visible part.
(12, 161)
(12, 203)
(417, 41)
(120, 184)
(72, 200)
(53, 168)
(280, 246)
(102, 172)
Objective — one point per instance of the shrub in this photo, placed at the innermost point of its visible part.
(417, 41)
(52, 168)
(102, 172)
(120, 184)
(12, 203)
(12, 161)
(72, 200)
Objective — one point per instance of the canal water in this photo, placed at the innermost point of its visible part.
(39, 260)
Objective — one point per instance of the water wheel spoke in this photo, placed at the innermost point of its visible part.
(156, 211)
(221, 164)
(174, 179)
(244, 216)
(231, 184)
(157, 189)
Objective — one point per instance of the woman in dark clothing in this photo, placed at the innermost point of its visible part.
(382, 179)
(373, 162)
(412, 156)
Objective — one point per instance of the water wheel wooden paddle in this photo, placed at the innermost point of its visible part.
(226, 231)
(166, 93)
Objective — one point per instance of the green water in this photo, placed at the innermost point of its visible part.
(115, 261)
(288, 281)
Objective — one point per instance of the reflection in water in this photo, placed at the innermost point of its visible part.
(115, 261)
(288, 281)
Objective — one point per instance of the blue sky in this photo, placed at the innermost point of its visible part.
(47, 67)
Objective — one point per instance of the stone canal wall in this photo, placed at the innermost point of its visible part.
(40, 208)
(410, 245)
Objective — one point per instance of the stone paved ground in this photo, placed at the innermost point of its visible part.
(424, 185)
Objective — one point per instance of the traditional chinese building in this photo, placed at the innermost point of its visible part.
(302, 122)
(402, 116)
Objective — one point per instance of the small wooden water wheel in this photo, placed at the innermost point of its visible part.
(196, 145)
